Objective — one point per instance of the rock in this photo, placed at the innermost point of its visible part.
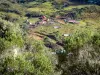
(53, 52)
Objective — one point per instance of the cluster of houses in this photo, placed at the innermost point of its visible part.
(68, 18)
(44, 20)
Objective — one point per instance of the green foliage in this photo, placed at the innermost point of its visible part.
(7, 6)
(9, 16)
(3, 44)
(34, 58)
(16, 65)
(56, 35)
(43, 65)
(34, 62)
(83, 49)
(49, 8)
(80, 68)
(44, 9)
(96, 39)
(4, 5)
(78, 39)
(10, 34)
(82, 11)
(32, 4)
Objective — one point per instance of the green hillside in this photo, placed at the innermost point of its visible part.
(49, 37)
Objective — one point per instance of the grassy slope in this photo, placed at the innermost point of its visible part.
(71, 28)
(48, 9)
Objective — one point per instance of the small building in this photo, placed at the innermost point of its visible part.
(44, 18)
(43, 22)
(57, 27)
(73, 21)
(66, 35)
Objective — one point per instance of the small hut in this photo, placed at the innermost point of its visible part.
(73, 21)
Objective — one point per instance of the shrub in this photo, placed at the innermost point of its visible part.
(78, 39)
(83, 50)
(32, 4)
(10, 34)
(44, 9)
(27, 62)
(41, 60)
(96, 39)
(12, 17)
(16, 66)
(43, 65)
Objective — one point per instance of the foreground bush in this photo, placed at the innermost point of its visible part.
(83, 50)
(10, 35)
(78, 39)
(34, 62)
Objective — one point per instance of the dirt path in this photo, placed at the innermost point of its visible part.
(35, 35)
(61, 21)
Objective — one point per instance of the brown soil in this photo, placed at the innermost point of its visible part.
(35, 35)
(61, 21)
